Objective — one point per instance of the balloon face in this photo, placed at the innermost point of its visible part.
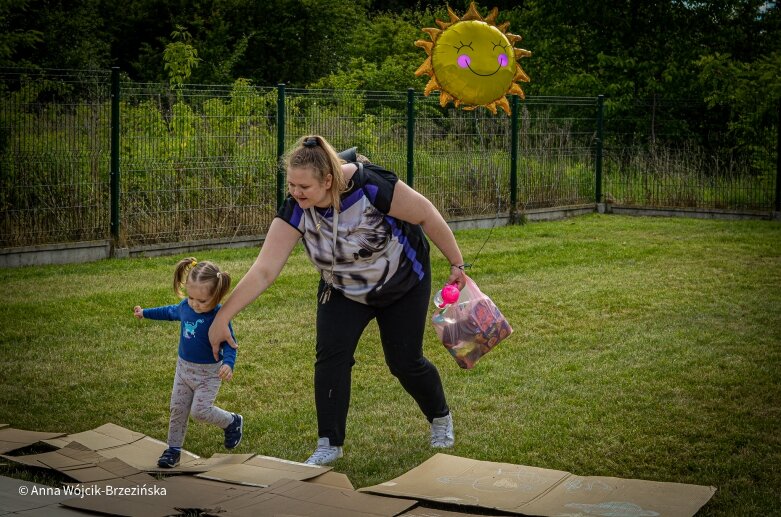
(471, 61)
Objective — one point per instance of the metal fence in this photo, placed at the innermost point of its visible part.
(54, 156)
(81, 159)
(651, 160)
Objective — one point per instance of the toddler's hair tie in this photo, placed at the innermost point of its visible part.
(311, 142)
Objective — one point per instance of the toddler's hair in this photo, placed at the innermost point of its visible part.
(204, 273)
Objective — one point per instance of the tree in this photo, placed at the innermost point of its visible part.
(180, 57)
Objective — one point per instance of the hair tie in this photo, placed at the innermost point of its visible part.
(311, 142)
(193, 263)
(219, 275)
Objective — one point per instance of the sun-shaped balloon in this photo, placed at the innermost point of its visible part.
(472, 61)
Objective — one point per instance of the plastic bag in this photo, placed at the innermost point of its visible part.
(471, 327)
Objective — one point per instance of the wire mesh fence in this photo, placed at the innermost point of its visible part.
(462, 159)
(54, 156)
(202, 161)
(197, 162)
(557, 143)
(652, 160)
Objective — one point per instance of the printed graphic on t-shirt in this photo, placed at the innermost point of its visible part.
(190, 327)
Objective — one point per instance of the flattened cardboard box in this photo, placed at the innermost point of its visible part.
(181, 493)
(263, 471)
(291, 497)
(423, 511)
(12, 439)
(536, 491)
(12, 500)
(112, 441)
(199, 465)
(77, 462)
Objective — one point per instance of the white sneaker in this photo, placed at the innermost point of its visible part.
(325, 453)
(442, 435)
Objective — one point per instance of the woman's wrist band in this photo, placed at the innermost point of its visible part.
(460, 266)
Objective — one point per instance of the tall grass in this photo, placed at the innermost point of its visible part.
(643, 348)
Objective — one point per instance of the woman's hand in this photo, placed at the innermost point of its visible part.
(219, 333)
(457, 276)
(138, 312)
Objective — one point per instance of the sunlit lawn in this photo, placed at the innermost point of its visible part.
(643, 348)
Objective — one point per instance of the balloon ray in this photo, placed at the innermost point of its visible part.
(433, 32)
(520, 75)
(491, 18)
(425, 45)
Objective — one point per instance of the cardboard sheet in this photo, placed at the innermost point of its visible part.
(423, 511)
(78, 462)
(14, 498)
(333, 479)
(198, 465)
(12, 439)
(181, 493)
(616, 496)
(113, 441)
(103, 437)
(54, 511)
(290, 497)
(263, 471)
(536, 491)
(123, 506)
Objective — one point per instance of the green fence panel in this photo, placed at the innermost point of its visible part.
(557, 146)
(200, 162)
(54, 156)
(652, 160)
(197, 163)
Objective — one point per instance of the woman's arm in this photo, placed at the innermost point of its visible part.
(279, 243)
(411, 206)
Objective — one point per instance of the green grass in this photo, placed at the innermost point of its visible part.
(643, 348)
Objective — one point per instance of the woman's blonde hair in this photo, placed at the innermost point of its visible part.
(204, 272)
(314, 151)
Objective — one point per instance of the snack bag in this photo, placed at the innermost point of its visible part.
(471, 327)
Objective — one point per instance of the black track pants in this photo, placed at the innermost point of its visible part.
(340, 323)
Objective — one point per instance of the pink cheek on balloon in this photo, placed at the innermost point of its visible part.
(464, 60)
(502, 59)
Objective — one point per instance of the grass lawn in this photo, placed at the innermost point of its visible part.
(643, 348)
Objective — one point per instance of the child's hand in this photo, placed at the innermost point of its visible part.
(226, 372)
(138, 312)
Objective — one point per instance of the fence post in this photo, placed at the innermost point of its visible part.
(600, 137)
(114, 166)
(778, 163)
(410, 136)
(280, 144)
(514, 160)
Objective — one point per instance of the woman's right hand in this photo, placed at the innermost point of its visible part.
(219, 333)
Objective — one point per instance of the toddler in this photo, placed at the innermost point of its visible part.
(198, 374)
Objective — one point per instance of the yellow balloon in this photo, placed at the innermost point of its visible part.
(472, 61)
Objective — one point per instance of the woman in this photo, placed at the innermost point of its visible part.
(363, 230)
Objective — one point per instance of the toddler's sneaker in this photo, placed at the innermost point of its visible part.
(442, 435)
(234, 432)
(169, 459)
(325, 453)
